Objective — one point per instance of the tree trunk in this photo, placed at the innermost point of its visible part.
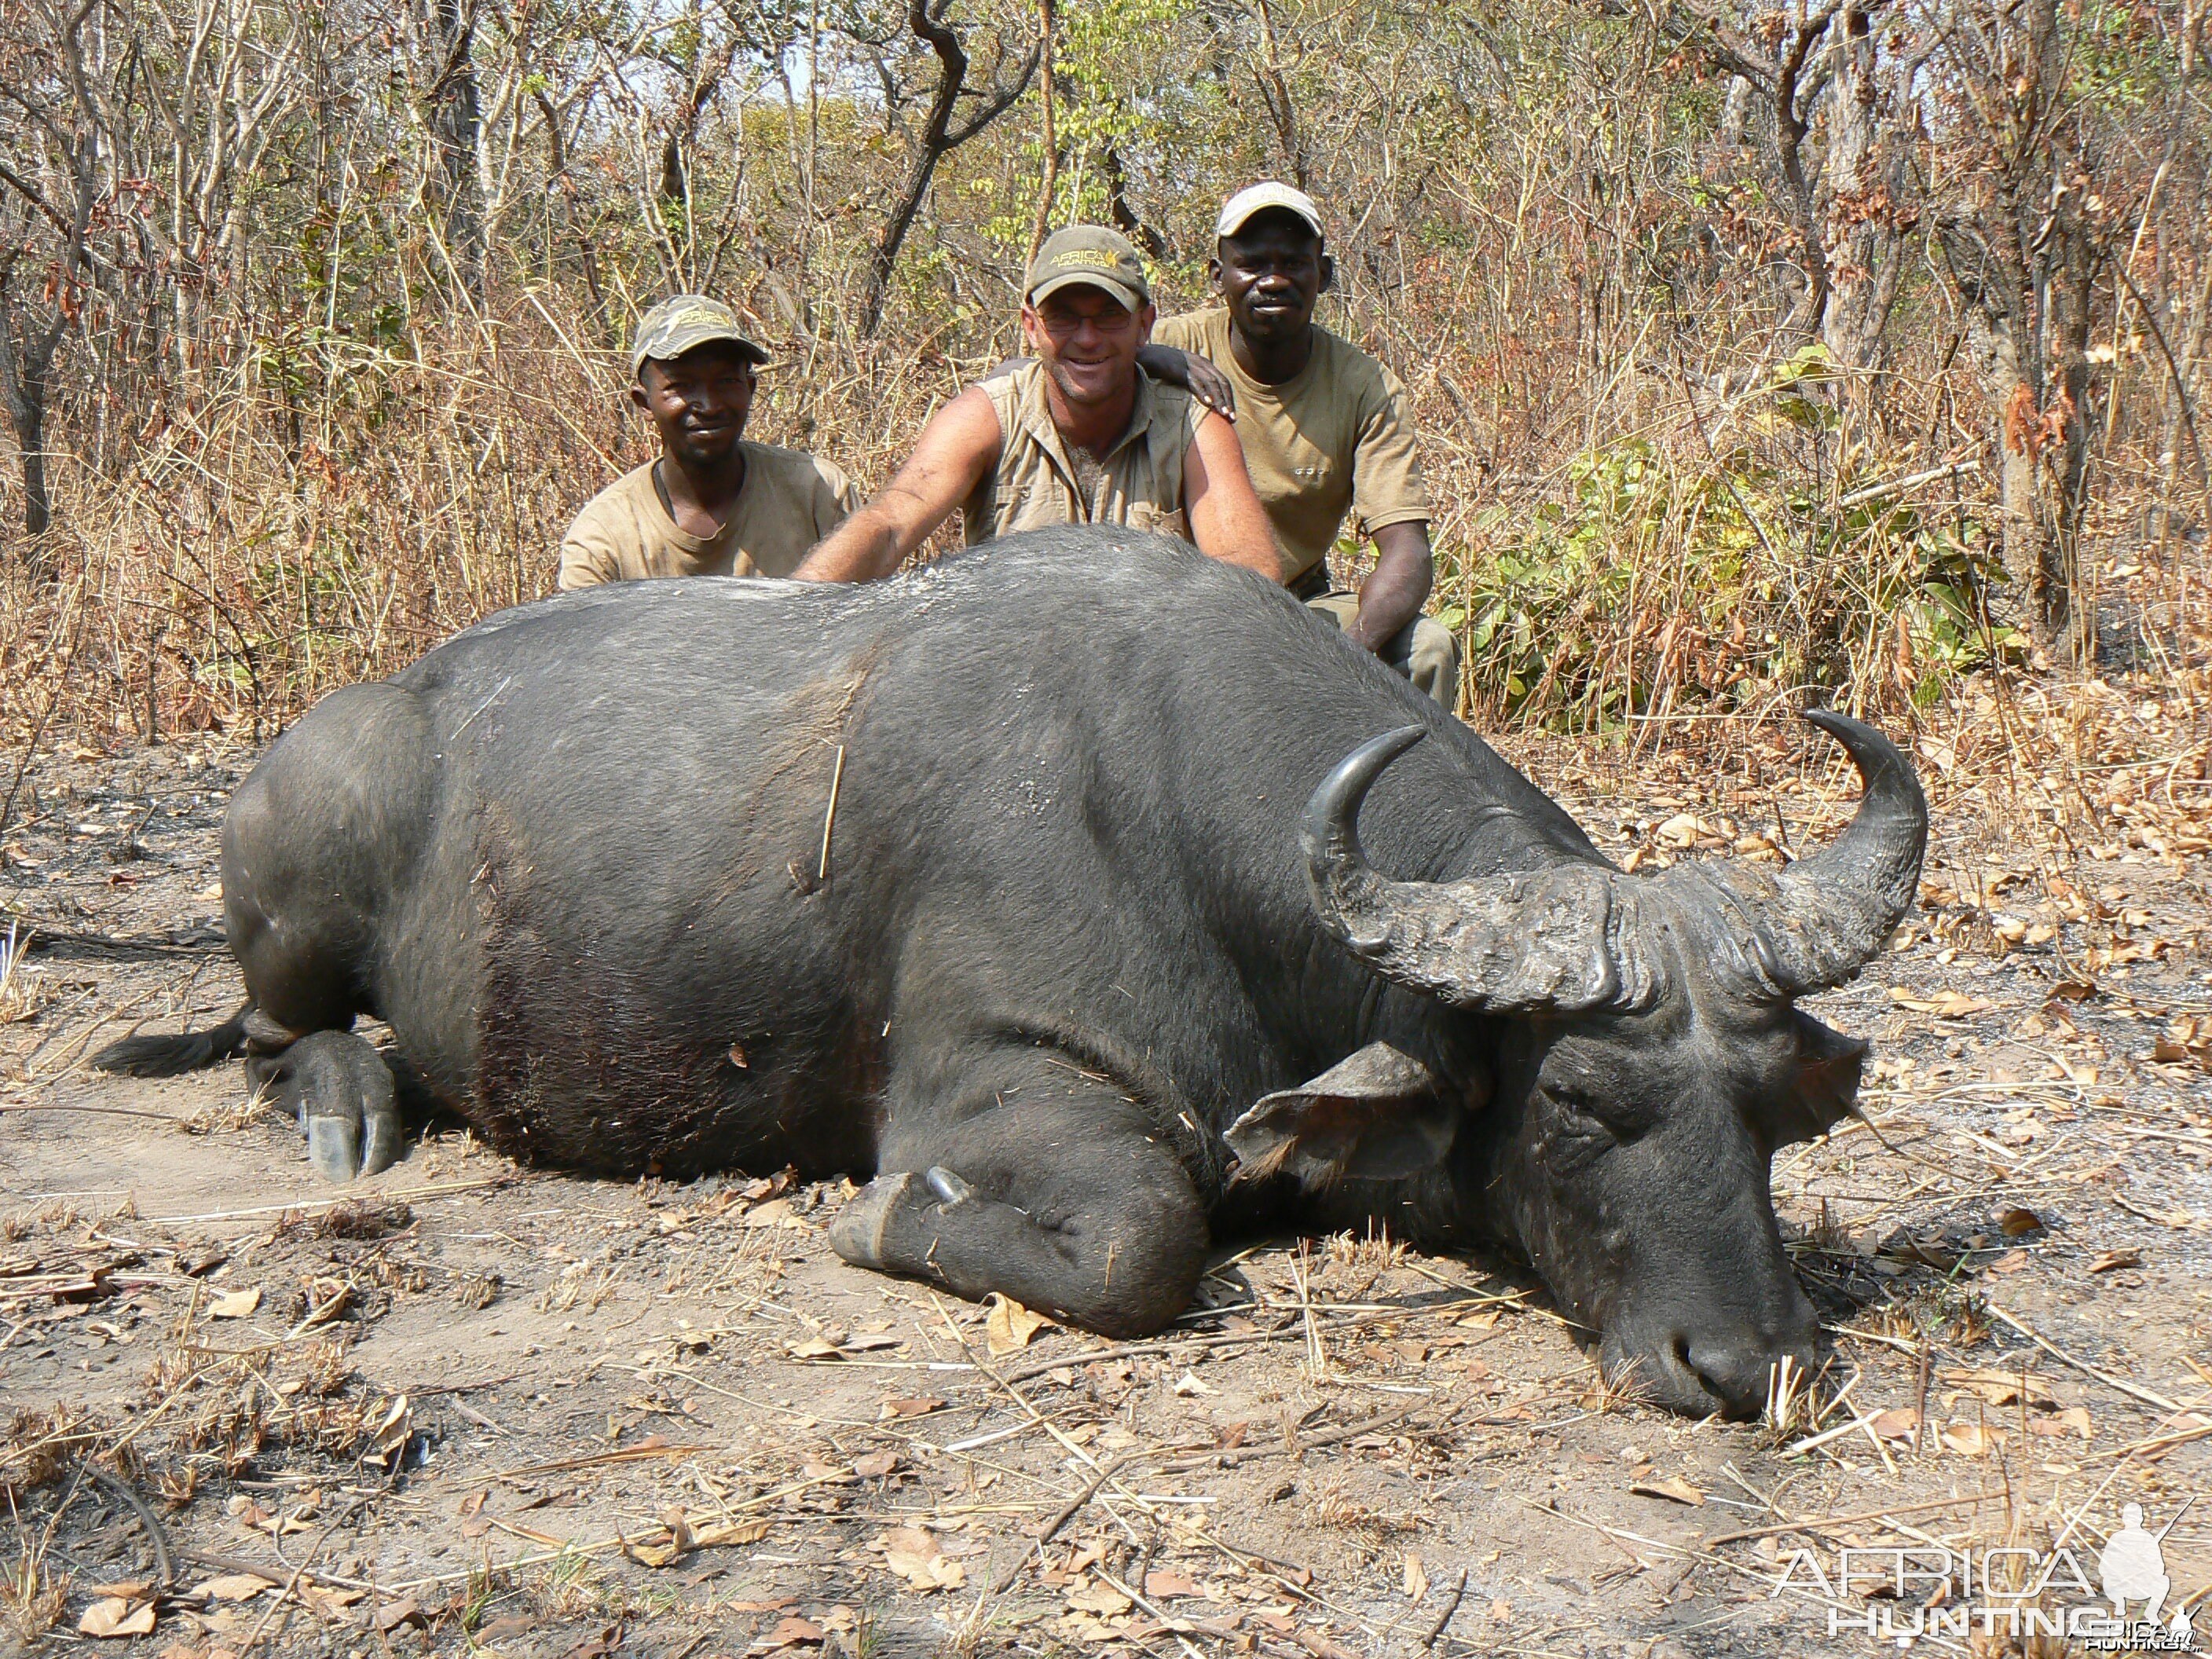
(1862, 218)
(455, 120)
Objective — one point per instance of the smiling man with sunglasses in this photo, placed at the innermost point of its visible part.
(1078, 434)
(713, 503)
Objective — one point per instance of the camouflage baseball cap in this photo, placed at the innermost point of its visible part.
(1089, 254)
(682, 321)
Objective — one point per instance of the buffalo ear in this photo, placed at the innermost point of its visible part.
(1824, 1091)
(1379, 1115)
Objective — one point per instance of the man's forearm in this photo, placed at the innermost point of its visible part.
(866, 547)
(1396, 589)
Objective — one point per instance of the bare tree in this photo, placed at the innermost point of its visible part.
(50, 173)
(2020, 232)
(940, 137)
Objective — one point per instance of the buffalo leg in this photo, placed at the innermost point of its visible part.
(1069, 1206)
(340, 1092)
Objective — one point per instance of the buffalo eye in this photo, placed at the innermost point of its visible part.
(1590, 1111)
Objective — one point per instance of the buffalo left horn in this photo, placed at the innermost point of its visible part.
(1546, 939)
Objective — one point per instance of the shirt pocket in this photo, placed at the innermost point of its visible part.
(1161, 520)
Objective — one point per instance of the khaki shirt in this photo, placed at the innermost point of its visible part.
(1336, 435)
(789, 502)
(1035, 485)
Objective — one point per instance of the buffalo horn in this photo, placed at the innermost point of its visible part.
(1821, 919)
(1525, 940)
(1574, 936)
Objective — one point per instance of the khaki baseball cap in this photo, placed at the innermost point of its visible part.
(1092, 255)
(1258, 198)
(682, 321)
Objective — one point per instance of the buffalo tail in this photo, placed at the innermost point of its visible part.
(173, 1056)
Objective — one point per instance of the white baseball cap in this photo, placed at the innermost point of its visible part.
(1258, 198)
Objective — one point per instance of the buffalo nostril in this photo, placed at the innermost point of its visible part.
(1738, 1373)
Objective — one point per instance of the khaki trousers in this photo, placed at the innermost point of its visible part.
(1424, 651)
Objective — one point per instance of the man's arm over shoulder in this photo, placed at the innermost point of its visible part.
(959, 446)
(1226, 520)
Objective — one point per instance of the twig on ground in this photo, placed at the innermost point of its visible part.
(1829, 1522)
(165, 1562)
(1451, 1607)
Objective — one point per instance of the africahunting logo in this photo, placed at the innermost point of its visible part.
(1932, 1590)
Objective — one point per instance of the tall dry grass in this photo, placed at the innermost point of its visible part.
(1662, 547)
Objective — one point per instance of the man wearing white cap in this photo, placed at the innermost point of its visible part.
(1077, 434)
(713, 503)
(1325, 430)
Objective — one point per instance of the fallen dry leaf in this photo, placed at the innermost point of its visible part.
(2074, 1419)
(1999, 1387)
(113, 1616)
(919, 1406)
(235, 1304)
(1187, 1384)
(791, 1631)
(1095, 1596)
(1672, 1487)
(813, 1347)
(873, 1466)
(395, 1427)
(734, 1532)
(393, 1615)
(2111, 1260)
(1162, 1585)
(1899, 1423)
(1972, 1439)
(914, 1556)
(2016, 1223)
(1417, 1578)
(234, 1586)
(1011, 1327)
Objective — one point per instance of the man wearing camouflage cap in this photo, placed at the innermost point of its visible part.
(1078, 434)
(713, 503)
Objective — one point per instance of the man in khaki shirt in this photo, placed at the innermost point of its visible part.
(1078, 434)
(1325, 430)
(713, 504)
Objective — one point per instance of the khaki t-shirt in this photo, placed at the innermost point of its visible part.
(1037, 483)
(1336, 435)
(789, 502)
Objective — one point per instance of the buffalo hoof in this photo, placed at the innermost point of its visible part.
(856, 1232)
(340, 1090)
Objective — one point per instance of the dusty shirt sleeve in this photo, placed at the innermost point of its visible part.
(588, 555)
(836, 500)
(1387, 488)
(1181, 333)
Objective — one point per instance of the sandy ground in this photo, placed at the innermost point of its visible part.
(472, 1406)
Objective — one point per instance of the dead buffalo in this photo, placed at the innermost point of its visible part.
(1086, 894)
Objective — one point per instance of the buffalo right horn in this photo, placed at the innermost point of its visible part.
(1817, 922)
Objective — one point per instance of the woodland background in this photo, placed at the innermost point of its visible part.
(1858, 344)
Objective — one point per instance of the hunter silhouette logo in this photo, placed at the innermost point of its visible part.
(2009, 1591)
(2133, 1568)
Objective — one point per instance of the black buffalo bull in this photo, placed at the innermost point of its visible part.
(1046, 886)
